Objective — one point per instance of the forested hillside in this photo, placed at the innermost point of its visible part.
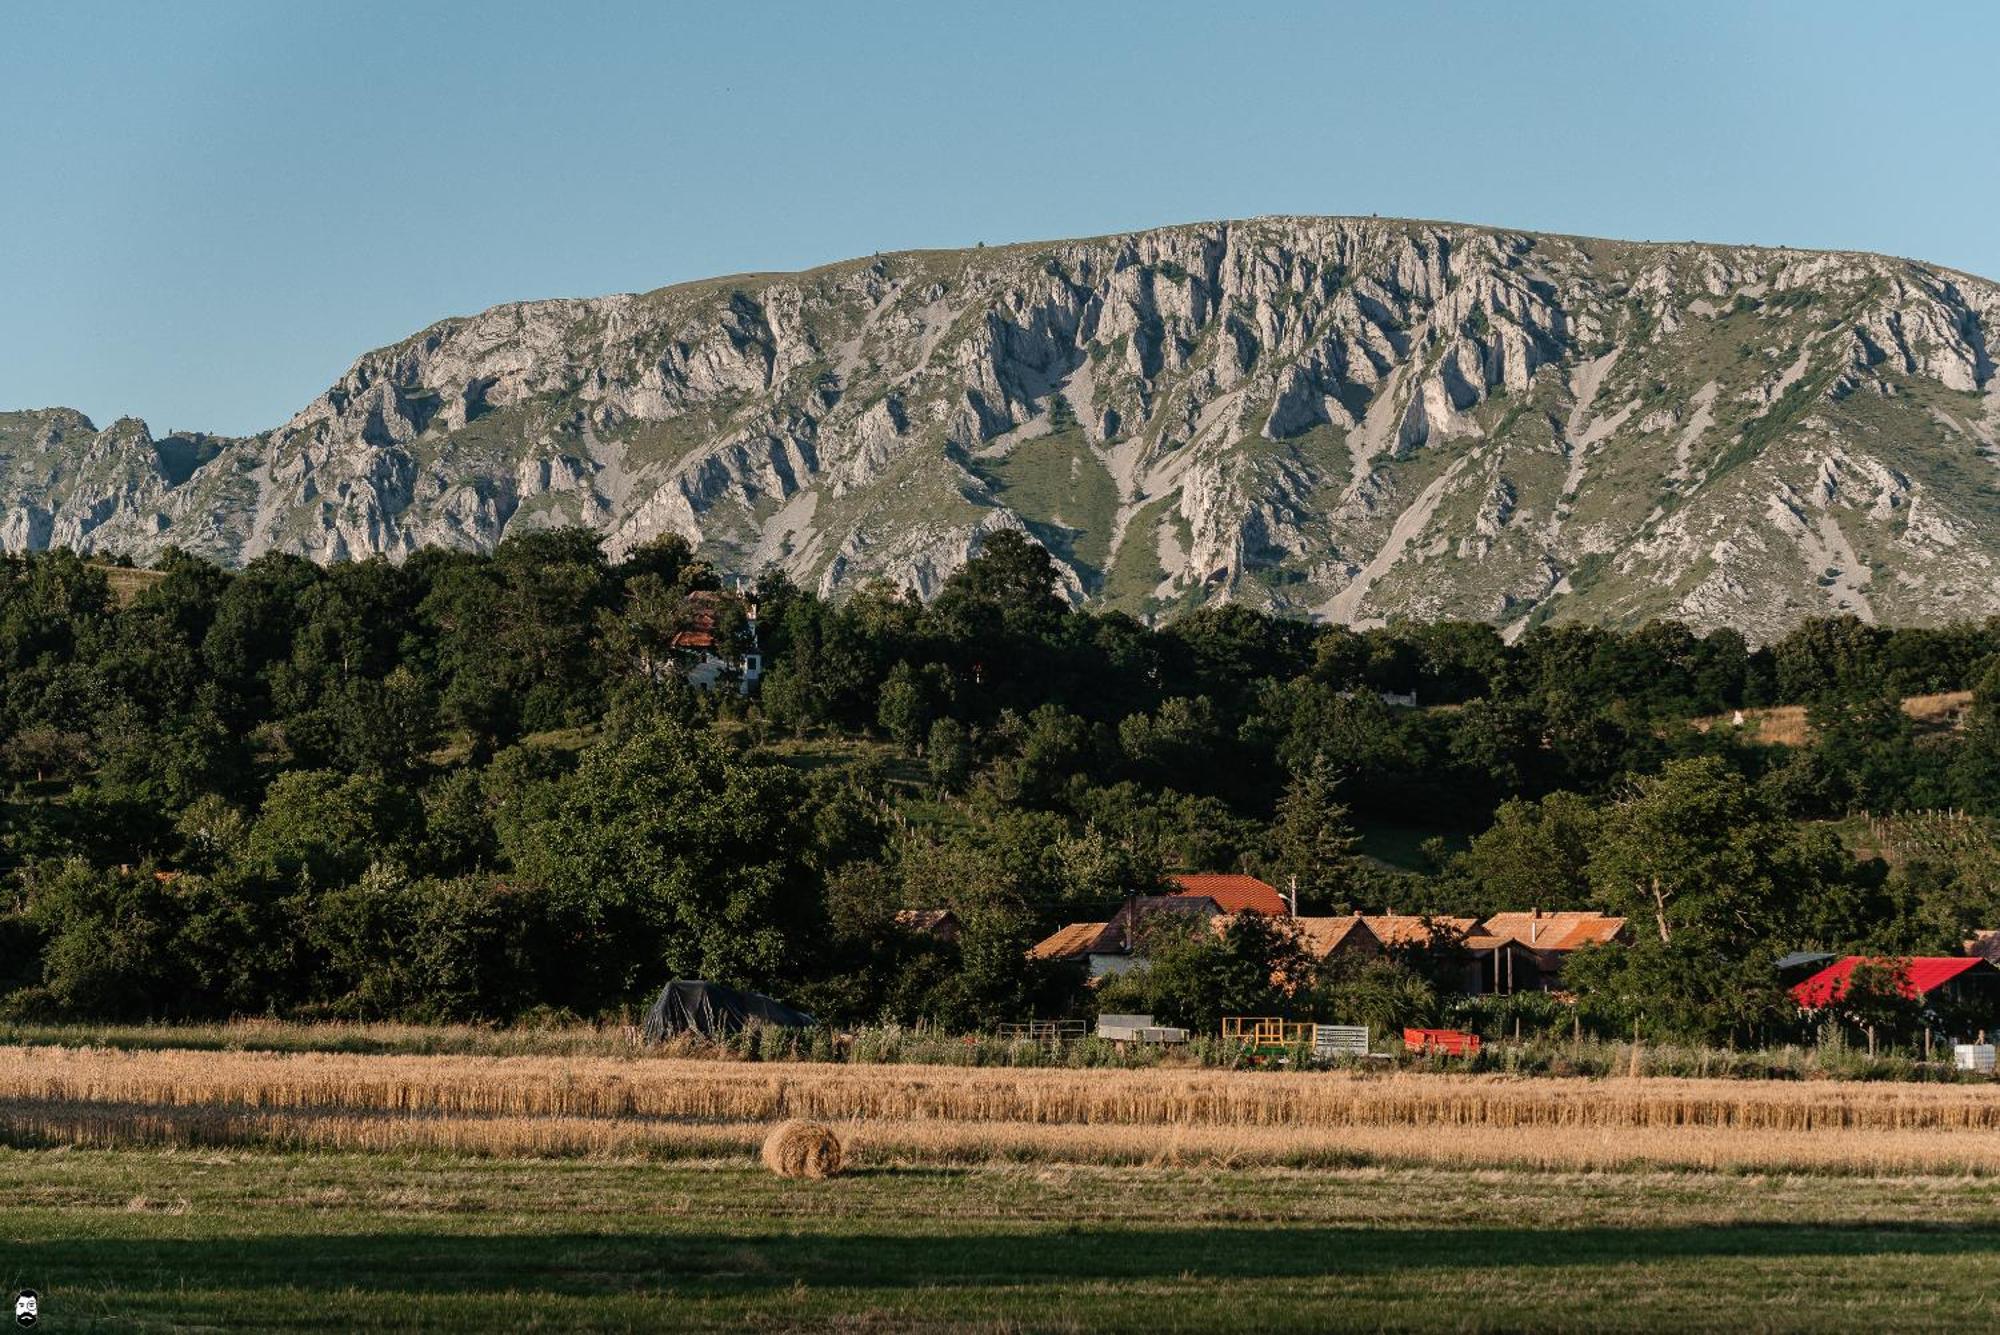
(470, 786)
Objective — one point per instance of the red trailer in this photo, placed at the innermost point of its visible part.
(1441, 1042)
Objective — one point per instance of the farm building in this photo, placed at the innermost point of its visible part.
(941, 924)
(1510, 952)
(1110, 947)
(1338, 938)
(1365, 935)
(1232, 893)
(1499, 965)
(1117, 946)
(1413, 931)
(1953, 978)
(1548, 938)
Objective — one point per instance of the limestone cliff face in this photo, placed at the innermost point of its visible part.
(1349, 418)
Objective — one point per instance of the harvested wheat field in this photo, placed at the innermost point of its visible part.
(263, 1191)
(541, 1106)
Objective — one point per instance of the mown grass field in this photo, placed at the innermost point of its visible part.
(162, 1188)
(259, 1241)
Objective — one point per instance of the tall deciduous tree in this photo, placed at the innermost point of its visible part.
(1693, 848)
(665, 855)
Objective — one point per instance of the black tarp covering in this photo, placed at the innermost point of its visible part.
(691, 1006)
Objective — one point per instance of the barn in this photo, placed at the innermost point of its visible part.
(1954, 978)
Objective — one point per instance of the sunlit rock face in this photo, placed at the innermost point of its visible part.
(1355, 419)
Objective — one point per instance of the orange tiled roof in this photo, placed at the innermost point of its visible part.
(1323, 936)
(1071, 942)
(703, 606)
(1556, 931)
(1232, 893)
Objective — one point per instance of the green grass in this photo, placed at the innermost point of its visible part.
(1135, 568)
(123, 1240)
(1059, 486)
(895, 766)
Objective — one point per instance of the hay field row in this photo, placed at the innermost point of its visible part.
(692, 1090)
(540, 1107)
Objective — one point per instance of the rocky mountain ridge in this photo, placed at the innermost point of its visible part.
(1356, 419)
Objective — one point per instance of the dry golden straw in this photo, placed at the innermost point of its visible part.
(673, 1108)
(802, 1149)
(593, 1087)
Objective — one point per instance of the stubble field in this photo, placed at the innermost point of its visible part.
(323, 1190)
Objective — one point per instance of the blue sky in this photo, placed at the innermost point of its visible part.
(211, 208)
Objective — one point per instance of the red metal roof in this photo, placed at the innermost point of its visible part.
(1233, 894)
(1922, 975)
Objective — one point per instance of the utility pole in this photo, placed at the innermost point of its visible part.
(1292, 899)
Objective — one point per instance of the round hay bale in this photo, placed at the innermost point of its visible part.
(802, 1149)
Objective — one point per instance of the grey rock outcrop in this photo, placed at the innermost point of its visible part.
(1351, 418)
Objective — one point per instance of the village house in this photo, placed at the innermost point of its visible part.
(1525, 952)
(1507, 953)
(1367, 936)
(1232, 893)
(1114, 946)
(1343, 937)
(1118, 946)
(713, 656)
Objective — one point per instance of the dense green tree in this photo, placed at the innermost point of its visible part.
(948, 754)
(1194, 976)
(666, 856)
(1536, 854)
(110, 940)
(903, 712)
(1717, 885)
(1313, 841)
(327, 826)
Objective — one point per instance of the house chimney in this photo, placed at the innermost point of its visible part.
(1534, 925)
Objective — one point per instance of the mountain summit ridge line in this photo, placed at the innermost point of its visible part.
(1350, 418)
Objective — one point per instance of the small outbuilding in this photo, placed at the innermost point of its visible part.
(939, 924)
(1118, 946)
